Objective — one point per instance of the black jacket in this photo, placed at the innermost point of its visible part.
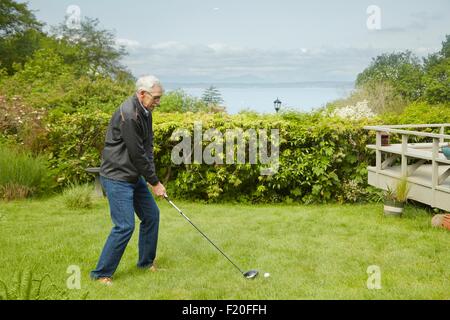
(128, 152)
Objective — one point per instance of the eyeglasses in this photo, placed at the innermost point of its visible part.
(154, 97)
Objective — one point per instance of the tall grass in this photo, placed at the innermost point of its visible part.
(402, 189)
(381, 98)
(78, 197)
(22, 175)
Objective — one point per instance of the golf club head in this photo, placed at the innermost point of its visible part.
(251, 274)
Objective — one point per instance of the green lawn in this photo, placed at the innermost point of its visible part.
(311, 252)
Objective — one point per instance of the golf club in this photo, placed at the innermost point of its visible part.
(249, 274)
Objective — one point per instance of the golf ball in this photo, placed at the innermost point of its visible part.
(266, 275)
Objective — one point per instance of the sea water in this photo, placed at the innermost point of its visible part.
(261, 98)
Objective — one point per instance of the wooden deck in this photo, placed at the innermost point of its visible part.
(427, 170)
(420, 182)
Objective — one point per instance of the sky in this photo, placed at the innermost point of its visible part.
(265, 41)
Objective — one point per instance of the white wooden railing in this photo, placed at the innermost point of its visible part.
(424, 152)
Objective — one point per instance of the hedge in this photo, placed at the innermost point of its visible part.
(321, 159)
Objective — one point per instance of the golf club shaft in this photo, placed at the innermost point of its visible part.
(204, 235)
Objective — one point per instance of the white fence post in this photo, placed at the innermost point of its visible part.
(404, 157)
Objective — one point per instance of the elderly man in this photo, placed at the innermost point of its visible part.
(126, 170)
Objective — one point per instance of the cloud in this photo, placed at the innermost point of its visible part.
(392, 30)
(178, 61)
(130, 45)
(169, 46)
(418, 21)
(427, 16)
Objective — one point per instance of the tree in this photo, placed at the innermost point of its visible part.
(437, 75)
(91, 49)
(45, 81)
(180, 101)
(16, 18)
(42, 81)
(445, 51)
(212, 96)
(20, 34)
(401, 70)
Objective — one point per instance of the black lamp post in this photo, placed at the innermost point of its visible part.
(277, 105)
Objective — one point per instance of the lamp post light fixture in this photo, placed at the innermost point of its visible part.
(277, 105)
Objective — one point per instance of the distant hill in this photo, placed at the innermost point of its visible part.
(227, 84)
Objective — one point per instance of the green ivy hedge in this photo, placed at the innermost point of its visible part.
(322, 159)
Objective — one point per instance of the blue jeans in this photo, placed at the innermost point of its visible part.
(124, 200)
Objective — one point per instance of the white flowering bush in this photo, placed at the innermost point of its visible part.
(358, 111)
(23, 123)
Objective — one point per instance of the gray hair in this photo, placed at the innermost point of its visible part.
(146, 83)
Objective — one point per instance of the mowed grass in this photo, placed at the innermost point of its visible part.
(311, 252)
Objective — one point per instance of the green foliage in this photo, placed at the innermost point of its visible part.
(437, 75)
(78, 196)
(87, 94)
(322, 159)
(437, 82)
(16, 49)
(318, 156)
(43, 81)
(402, 189)
(92, 51)
(47, 82)
(20, 34)
(66, 86)
(213, 99)
(389, 194)
(180, 101)
(71, 70)
(21, 124)
(380, 95)
(26, 287)
(352, 192)
(212, 95)
(22, 175)
(411, 79)
(421, 112)
(401, 70)
(16, 18)
(399, 192)
(75, 143)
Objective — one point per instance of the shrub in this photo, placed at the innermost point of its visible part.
(378, 97)
(43, 81)
(180, 101)
(359, 111)
(317, 155)
(75, 143)
(23, 124)
(22, 175)
(322, 158)
(46, 82)
(78, 196)
(422, 112)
